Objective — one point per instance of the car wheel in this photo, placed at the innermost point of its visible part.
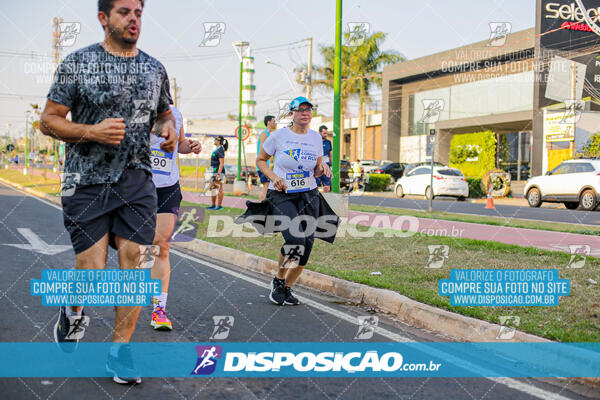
(429, 193)
(571, 205)
(461, 198)
(587, 200)
(399, 191)
(534, 197)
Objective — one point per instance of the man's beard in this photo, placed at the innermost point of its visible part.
(120, 35)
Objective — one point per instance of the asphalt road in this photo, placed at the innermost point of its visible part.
(201, 289)
(454, 206)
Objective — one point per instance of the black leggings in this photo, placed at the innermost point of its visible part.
(302, 211)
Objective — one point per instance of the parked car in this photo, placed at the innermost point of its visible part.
(230, 173)
(409, 167)
(369, 165)
(396, 170)
(345, 178)
(446, 182)
(252, 172)
(512, 170)
(574, 183)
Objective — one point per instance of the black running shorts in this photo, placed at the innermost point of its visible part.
(169, 199)
(126, 208)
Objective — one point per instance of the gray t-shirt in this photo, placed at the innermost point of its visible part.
(97, 85)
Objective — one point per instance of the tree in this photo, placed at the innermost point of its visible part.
(361, 72)
(592, 146)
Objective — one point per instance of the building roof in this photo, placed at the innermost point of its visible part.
(446, 61)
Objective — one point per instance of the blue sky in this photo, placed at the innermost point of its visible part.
(172, 31)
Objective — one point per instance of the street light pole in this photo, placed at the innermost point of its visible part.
(337, 84)
(287, 76)
(239, 49)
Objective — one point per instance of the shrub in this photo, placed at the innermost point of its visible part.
(471, 145)
(378, 182)
(475, 188)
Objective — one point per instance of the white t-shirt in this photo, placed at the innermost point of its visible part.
(164, 169)
(295, 157)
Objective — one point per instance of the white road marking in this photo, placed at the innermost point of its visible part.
(37, 245)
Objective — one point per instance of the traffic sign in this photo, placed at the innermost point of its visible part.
(245, 132)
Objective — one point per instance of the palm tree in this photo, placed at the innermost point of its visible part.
(361, 72)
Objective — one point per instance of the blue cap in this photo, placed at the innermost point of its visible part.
(297, 101)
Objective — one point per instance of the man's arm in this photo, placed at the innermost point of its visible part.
(187, 146)
(54, 123)
(165, 127)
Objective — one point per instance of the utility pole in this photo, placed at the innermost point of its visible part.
(337, 85)
(175, 93)
(56, 59)
(309, 71)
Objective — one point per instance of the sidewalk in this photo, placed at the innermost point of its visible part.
(545, 240)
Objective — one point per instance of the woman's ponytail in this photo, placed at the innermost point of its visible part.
(225, 144)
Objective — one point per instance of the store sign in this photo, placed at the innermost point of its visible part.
(563, 25)
(555, 129)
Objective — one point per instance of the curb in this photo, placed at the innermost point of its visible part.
(33, 192)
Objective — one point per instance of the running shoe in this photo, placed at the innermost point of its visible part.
(290, 299)
(160, 322)
(69, 329)
(217, 208)
(210, 208)
(277, 294)
(122, 368)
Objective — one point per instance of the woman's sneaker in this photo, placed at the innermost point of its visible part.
(277, 294)
(160, 321)
(290, 299)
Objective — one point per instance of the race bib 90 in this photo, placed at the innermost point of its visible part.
(161, 162)
(298, 181)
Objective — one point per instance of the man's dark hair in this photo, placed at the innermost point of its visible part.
(268, 118)
(321, 128)
(106, 5)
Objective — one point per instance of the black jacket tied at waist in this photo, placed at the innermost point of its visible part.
(257, 213)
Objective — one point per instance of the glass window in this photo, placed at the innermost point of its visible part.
(449, 172)
(583, 167)
(563, 169)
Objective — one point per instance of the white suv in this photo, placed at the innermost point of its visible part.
(574, 183)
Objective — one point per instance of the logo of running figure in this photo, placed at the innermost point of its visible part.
(579, 253)
(223, 324)
(68, 33)
(77, 327)
(69, 183)
(438, 253)
(143, 110)
(187, 225)
(292, 254)
(284, 109)
(366, 327)
(212, 34)
(498, 33)
(432, 110)
(508, 324)
(148, 256)
(573, 109)
(357, 33)
(207, 359)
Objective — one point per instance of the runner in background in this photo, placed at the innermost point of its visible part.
(324, 180)
(165, 175)
(271, 126)
(217, 166)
